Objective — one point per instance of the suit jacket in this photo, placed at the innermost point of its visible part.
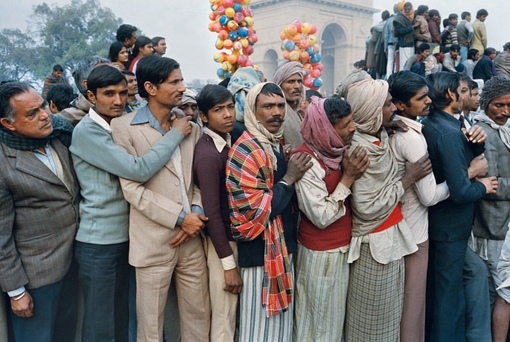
(157, 203)
(450, 154)
(492, 213)
(38, 218)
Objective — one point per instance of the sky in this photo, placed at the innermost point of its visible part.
(184, 24)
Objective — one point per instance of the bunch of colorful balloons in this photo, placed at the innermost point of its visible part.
(299, 44)
(233, 21)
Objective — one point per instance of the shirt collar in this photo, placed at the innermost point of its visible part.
(410, 123)
(143, 116)
(218, 141)
(99, 120)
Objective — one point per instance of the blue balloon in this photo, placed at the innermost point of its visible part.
(316, 58)
(220, 72)
(243, 32)
(237, 7)
(224, 20)
(232, 35)
(317, 83)
(289, 45)
(310, 51)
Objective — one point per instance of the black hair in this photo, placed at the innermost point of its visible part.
(489, 51)
(58, 67)
(211, 95)
(271, 89)
(422, 9)
(125, 31)
(481, 12)
(127, 72)
(154, 69)
(114, 51)
(385, 15)
(61, 95)
(103, 76)
(139, 43)
(453, 16)
(471, 53)
(472, 84)
(454, 47)
(82, 70)
(464, 14)
(336, 108)
(433, 12)
(439, 84)
(423, 47)
(7, 92)
(155, 40)
(403, 85)
(311, 92)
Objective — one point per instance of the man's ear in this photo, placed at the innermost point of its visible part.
(91, 97)
(400, 105)
(203, 117)
(450, 95)
(150, 88)
(7, 124)
(53, 107)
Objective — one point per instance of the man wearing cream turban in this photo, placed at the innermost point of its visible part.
(289, 77)
(260, 186)
(380, 236)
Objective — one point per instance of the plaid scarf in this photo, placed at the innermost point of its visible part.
(61, 130)
(249, 183)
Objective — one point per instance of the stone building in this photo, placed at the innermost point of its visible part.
(342, 28)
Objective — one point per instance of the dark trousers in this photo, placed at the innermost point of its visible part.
(445, 310)
(41, 326)
(104, 279)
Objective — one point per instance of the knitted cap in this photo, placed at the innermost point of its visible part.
(495, 87)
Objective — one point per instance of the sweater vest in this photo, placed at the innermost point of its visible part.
(338, 233)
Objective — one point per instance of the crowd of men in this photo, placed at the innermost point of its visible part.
(253, 210)
(419, 41)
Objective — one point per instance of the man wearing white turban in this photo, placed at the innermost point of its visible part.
(380, 236)
(289, 77)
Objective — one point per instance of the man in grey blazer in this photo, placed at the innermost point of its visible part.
(38, 210)
(492, 211)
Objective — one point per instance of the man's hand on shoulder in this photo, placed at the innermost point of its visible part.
(298, 164)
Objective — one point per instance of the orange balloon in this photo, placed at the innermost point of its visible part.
(232, 59)
(227, 44)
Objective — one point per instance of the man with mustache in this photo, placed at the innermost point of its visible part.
(380, 235)
(260, 186)
(322, 271)
(289, 77)
(102, 239)
(491, 214)
(166, 215)
(39, 196)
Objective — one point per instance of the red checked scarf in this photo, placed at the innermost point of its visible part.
(249, 183)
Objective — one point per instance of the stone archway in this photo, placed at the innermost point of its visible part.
(334, 57)
(269, 64)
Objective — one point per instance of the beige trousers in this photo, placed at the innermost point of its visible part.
(152, 284)
(223, 303)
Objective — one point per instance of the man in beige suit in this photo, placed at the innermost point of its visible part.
(166, 215)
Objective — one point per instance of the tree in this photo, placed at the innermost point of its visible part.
(59, 35)
(14, 60)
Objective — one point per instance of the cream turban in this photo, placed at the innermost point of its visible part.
(367, 99)
(286, 70)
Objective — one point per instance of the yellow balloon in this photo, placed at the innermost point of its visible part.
(312, 39)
